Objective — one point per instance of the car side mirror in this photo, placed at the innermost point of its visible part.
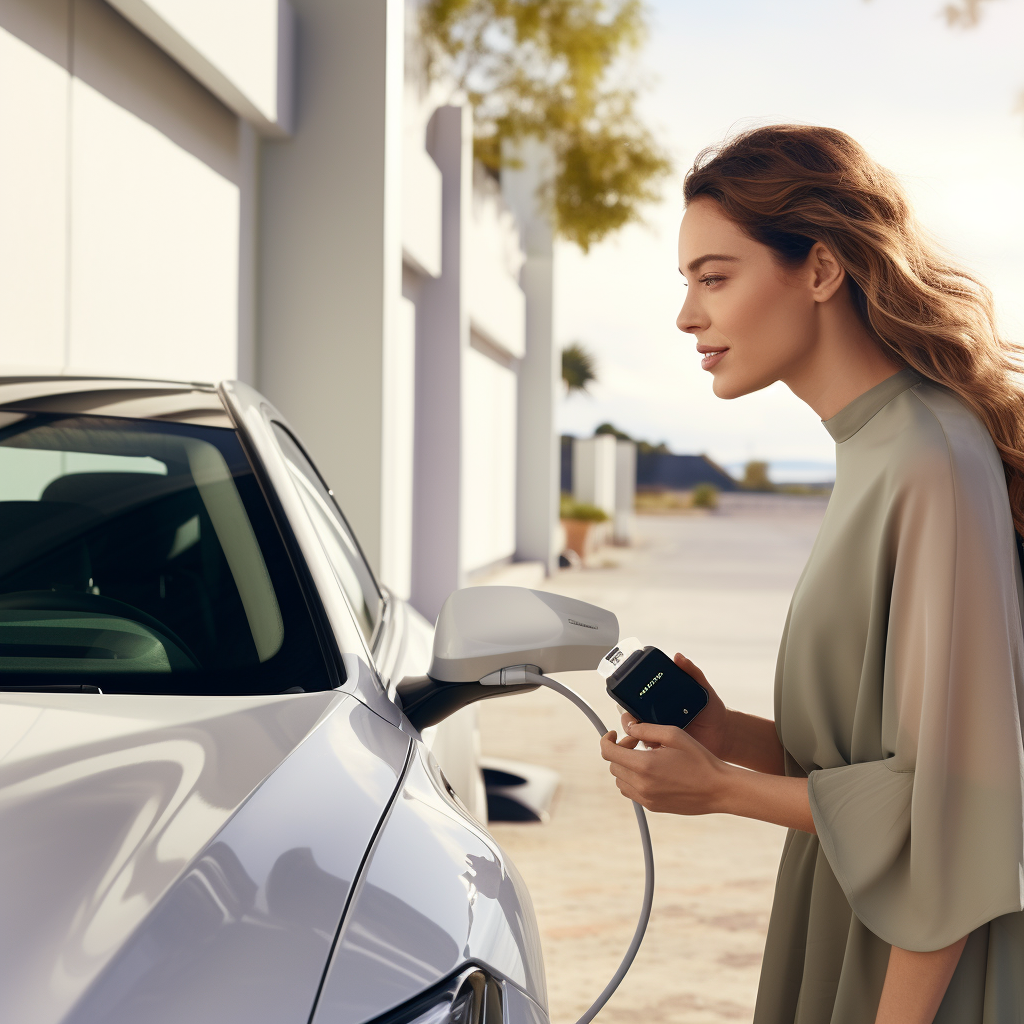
(482, 630)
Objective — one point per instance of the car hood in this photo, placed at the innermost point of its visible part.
(105, 800)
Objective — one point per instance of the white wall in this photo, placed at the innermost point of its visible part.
(241, 50)
(593, 471)
(33, 208)
(397, 446)
(421, 179)
(441, 341)
(625, 490)
(330, 243)
(537, 491)
(130, 229)
(488, 460)
(119, 215)
(497, 306)
(154, 251)
(467, 392)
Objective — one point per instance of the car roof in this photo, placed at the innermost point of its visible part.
(173, 401)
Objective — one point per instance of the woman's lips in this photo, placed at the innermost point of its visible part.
(712, 357)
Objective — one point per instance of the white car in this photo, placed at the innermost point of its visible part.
(212, 808)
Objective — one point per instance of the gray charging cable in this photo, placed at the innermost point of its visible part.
(520, 674)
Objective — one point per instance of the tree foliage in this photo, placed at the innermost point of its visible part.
(755, 477)
(964, 13)
(968, 14)
(578, 369)
(544, 69)
(643, 447)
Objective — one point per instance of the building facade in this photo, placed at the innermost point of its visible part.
(275, 192)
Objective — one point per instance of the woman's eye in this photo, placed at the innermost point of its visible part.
(711, 279)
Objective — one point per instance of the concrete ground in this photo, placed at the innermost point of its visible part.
(716, 587)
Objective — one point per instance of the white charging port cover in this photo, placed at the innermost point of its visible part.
(618, 654)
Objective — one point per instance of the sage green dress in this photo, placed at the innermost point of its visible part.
(898, 694)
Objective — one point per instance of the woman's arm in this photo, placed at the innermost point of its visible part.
(731, 735)
(681, 776)
(678, 775)
(754, 744)
(915, 984)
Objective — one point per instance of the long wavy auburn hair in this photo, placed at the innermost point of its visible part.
(789, 186)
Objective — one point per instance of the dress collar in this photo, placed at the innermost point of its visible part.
(852, 417)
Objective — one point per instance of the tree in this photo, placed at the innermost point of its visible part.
(968, 14)
(643, 447)
(755, 477)
(964, 13)
(544, 69)
(609, 428)
(578, 368)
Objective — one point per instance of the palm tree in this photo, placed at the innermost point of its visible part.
(578, 368)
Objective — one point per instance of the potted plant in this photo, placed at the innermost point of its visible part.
(583, 533)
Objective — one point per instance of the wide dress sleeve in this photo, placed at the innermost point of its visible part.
(928, 843)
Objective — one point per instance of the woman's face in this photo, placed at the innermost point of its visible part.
(755, 322)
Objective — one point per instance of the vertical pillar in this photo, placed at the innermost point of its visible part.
(442, 338)
(593, 471)
(248, 241)
(625, 490)
(537, 468)
(330, 241)
(399, 408)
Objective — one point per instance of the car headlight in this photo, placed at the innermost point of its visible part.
(470, 997)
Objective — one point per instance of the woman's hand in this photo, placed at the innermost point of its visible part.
(678, 775)
(730, 735)
(711, 728)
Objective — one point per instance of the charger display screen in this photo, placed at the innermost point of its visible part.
(655, 689)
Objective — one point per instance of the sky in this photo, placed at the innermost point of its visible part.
(934, 104)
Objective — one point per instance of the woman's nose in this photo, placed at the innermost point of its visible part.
(690, 319)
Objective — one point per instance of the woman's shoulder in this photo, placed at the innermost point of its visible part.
(934, 441)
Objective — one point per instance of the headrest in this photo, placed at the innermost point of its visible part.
(110, 492)
(30, 529)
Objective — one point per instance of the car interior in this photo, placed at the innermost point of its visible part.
(125, 546)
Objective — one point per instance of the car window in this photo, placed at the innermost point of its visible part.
(137, 550)
(343, 552)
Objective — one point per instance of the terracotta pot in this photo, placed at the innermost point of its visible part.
(576, 531)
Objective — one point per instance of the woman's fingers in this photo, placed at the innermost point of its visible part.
(633, 785)
(611, 751)
(690, 669)
(629, 792)
(627, 741)
(622, 772)
(662, 735)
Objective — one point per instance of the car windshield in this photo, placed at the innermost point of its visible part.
(140, 556)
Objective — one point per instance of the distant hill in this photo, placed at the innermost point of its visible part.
(680, 472)
(660, 469)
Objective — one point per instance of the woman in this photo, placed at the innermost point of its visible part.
(895, 758)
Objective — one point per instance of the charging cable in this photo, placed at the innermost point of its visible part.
(519, 674)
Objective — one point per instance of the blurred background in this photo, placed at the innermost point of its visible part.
(439, 235)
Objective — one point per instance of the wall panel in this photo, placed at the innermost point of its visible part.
(33, 191)
(488, 460)
(154, 251)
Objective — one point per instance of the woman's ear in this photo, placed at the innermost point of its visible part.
(826, 274)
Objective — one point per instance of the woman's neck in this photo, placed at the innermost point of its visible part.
(845, 362)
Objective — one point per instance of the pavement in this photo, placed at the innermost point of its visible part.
(716, 587)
